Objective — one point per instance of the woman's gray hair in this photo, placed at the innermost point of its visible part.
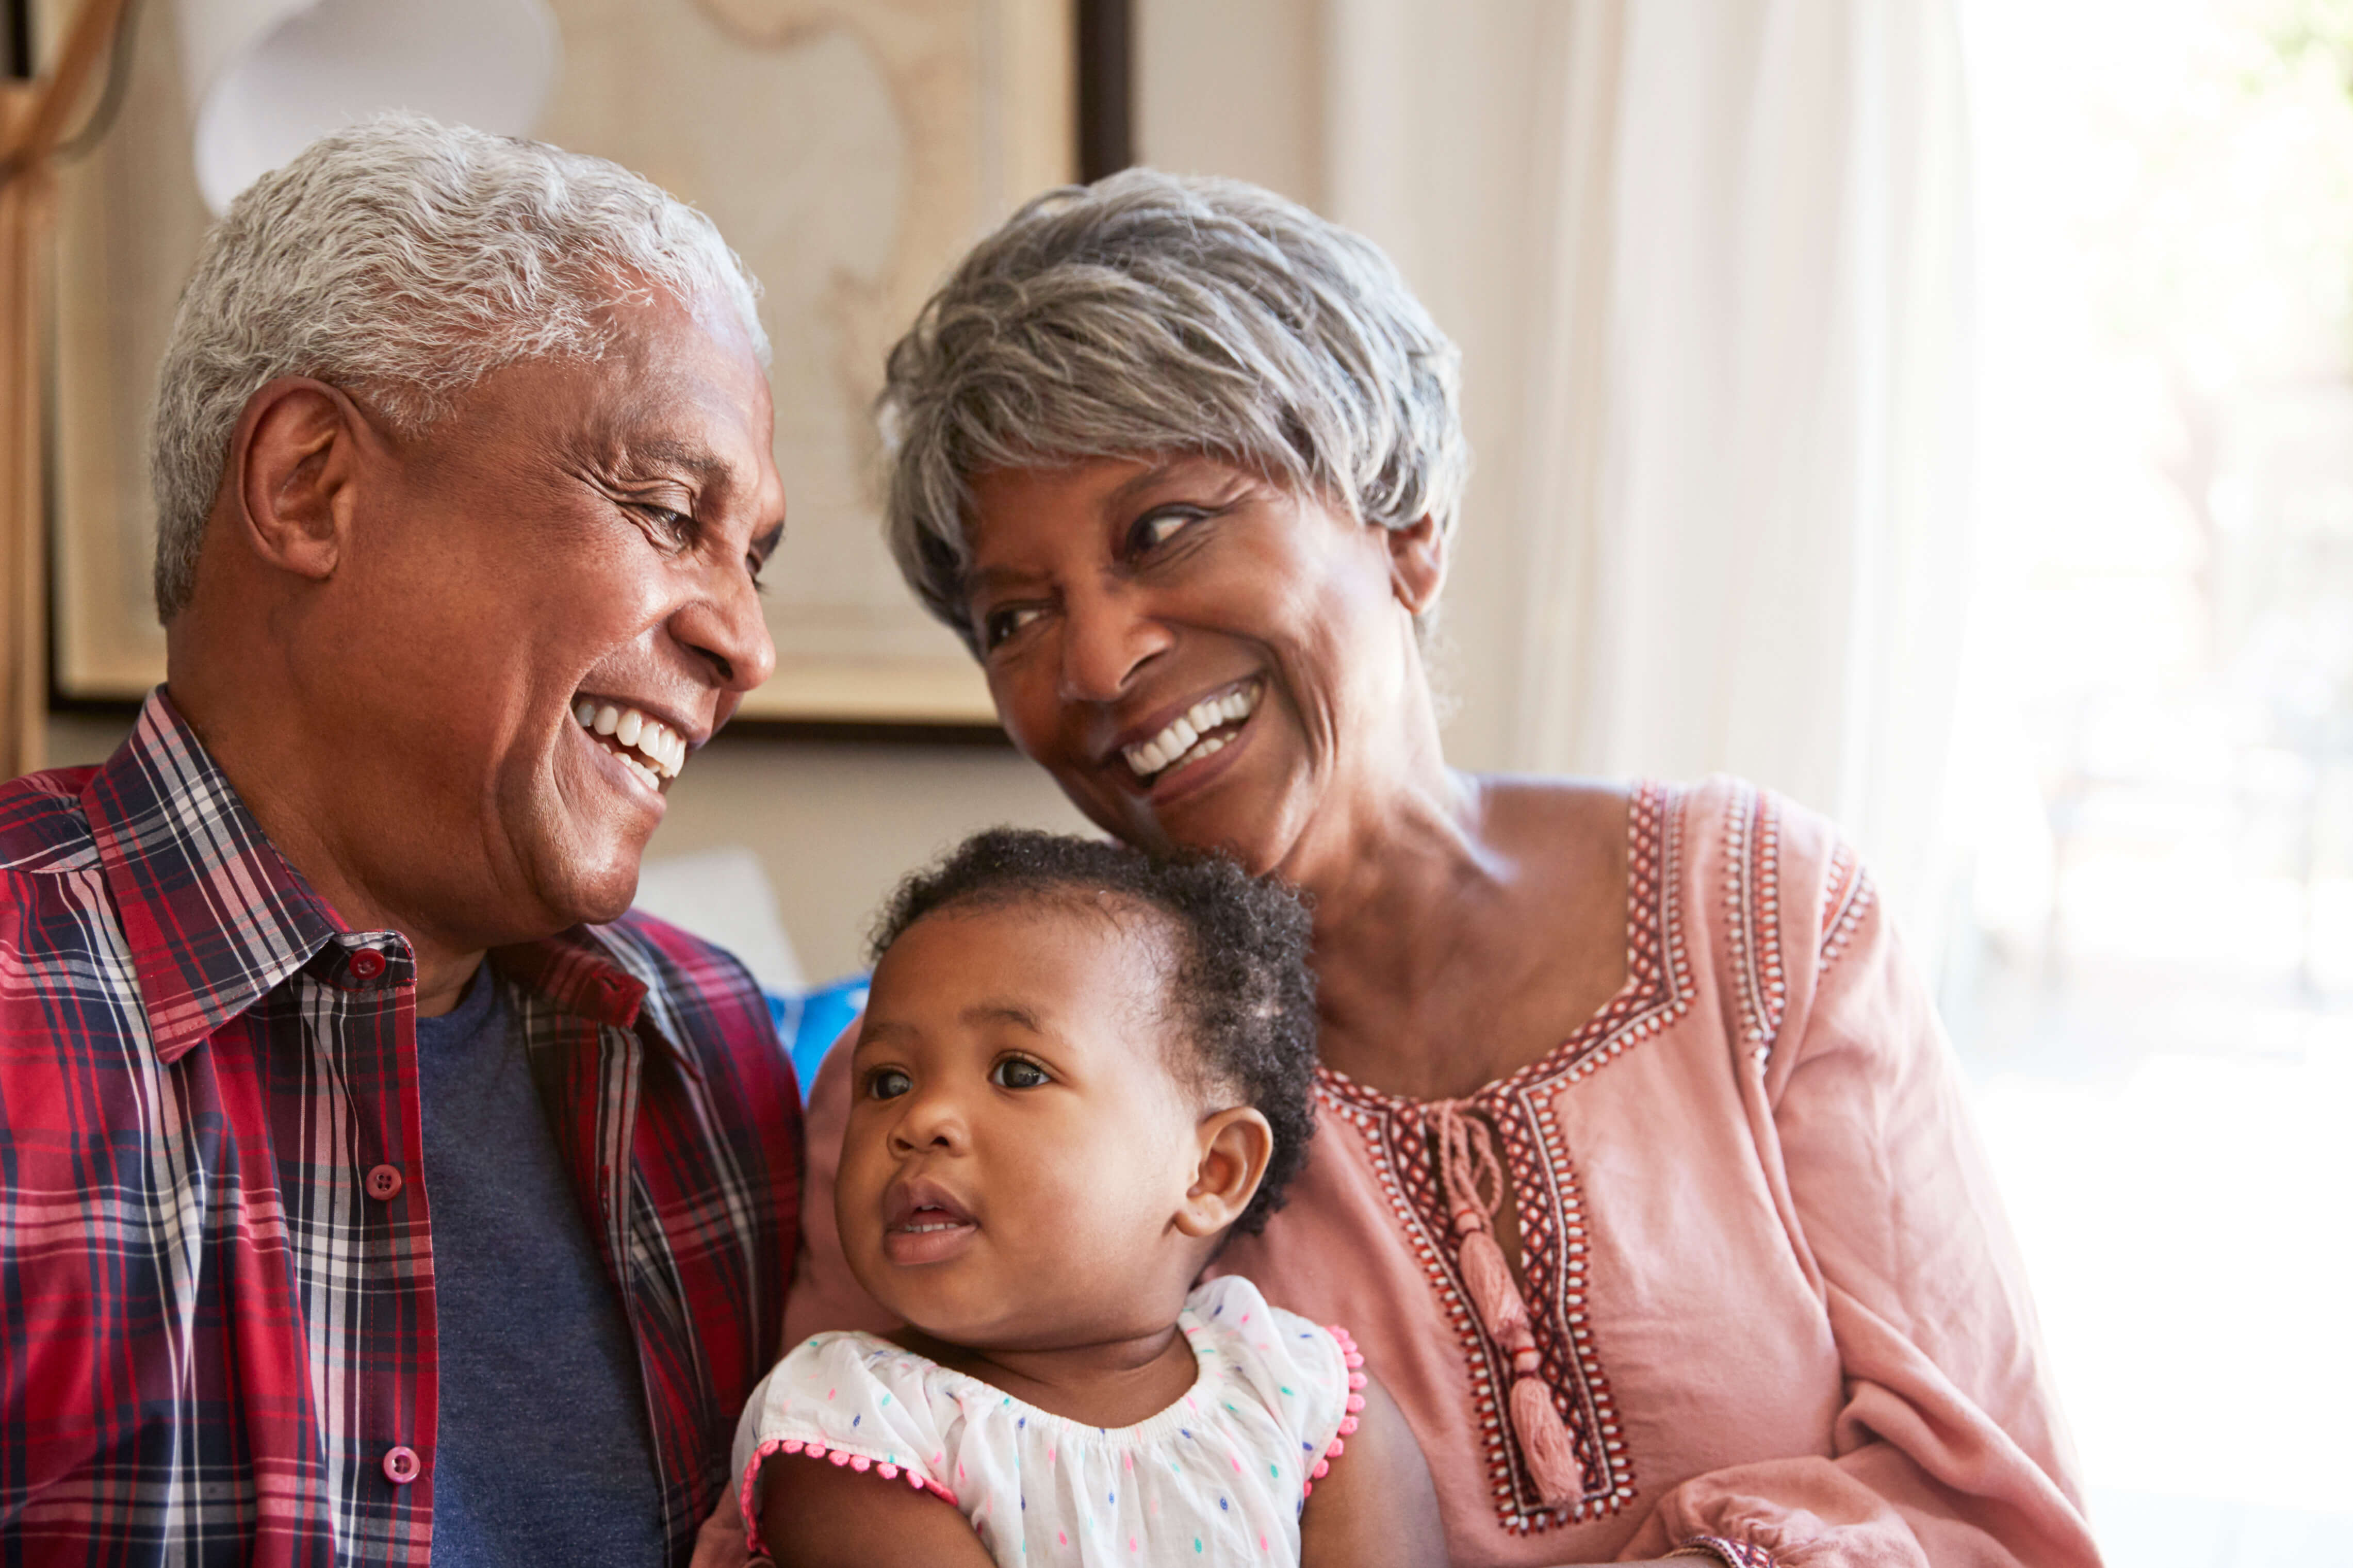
(408, 260)
(1147, 314)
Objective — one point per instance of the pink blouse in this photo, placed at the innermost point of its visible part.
(1770, 1286)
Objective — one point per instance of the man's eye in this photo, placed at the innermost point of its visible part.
(1000, 623)
(887, 1083)
(677, 525)
(1014, 1072)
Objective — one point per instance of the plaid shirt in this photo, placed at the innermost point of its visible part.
(217, 1337)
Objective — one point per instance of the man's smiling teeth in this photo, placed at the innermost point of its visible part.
(1188, 738)
(660, 750)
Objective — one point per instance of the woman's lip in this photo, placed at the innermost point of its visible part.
(1167, 788)
(914, 1249)
(1145, 730)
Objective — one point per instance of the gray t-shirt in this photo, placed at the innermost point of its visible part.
(542, 1454)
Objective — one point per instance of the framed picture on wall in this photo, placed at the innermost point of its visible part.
(849, 149)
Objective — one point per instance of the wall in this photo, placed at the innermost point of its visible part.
(1230, 87)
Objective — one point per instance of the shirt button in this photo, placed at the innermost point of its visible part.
(401, 1466)
(384, 1183)
(366, 963)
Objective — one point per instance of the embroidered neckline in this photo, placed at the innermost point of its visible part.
(1658, 971)
(1545, 1197)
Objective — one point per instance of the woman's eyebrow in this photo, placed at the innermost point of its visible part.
(1125, 493)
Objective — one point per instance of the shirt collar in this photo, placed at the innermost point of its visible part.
(215, 918)
(580, 972)
(212, 913)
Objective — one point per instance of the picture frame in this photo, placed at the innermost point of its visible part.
(851, 149)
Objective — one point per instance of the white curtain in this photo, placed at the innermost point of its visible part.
(1717, 274)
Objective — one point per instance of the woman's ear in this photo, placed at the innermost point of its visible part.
(1417, 562)
(1235, 1146)
(292, 460)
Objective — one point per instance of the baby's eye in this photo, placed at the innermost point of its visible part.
(1014, 1072)
(887, 1083)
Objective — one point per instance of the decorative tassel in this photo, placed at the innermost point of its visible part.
(1494, 1293)
(1475, 1181)
(1546, 1444)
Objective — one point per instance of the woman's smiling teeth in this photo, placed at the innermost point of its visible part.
(654, 749)
(1201, 732)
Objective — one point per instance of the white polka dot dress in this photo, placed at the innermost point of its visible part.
(1218, 1476)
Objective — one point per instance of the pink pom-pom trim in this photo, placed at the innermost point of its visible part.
(1353, 1359)
(859, 1463)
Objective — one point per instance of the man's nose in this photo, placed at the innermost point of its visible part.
(723, 627)
(1107, 638)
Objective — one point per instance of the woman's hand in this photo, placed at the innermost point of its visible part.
(720, 1542)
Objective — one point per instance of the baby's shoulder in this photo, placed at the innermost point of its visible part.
(856, 1396)
(1303, 1373)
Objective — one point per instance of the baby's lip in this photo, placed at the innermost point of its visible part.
(923, 1205)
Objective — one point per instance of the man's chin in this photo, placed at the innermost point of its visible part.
(591, 889)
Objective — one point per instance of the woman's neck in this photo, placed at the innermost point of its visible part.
(1463, 926)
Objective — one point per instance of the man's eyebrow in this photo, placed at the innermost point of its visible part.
(665, 452)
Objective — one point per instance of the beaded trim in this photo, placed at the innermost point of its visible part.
(1545, 1195)
(1845, 902)
(1354, 1360)
(1737, 1554)
(862, 1463)
(1752, 896)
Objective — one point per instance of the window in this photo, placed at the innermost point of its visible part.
(2153, 989)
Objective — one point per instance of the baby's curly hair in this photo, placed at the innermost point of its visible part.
(1243, 997)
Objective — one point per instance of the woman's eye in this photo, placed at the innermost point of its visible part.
(1015, 1073)
(1158, 527)
(1000, 623)
(887, 1083)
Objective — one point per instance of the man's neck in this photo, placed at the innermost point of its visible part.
(272, 783)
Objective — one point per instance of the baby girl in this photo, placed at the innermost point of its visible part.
(1078, 1071)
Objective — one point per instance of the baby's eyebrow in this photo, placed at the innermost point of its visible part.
(1012, 1013)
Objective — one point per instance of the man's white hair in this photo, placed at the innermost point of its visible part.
(405, 260)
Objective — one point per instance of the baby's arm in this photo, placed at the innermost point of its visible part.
(1377, 1505)
(817, 1515)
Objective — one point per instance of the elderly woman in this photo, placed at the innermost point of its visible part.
(1641, 1175)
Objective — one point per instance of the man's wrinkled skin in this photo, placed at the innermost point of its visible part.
(388, 636)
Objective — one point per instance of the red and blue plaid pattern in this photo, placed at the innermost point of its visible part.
(212, 1335)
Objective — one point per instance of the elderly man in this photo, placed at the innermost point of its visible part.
(366, 1200)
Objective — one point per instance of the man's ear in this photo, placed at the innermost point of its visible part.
(293, 458)
(1417, 562)
(1235, 1147)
